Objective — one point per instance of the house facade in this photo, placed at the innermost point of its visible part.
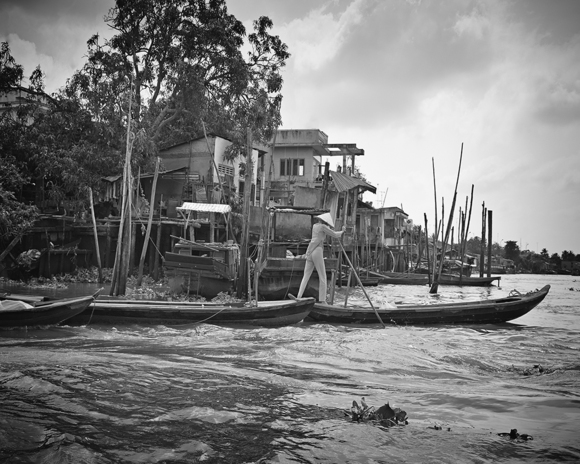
(18, 98)
(390, 226)
(296, 162)
(198, 171)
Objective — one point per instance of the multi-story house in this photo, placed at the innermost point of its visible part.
(19, 98)
(296, 162)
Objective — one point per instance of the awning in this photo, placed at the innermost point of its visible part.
(148, 175)
(205, 207)
(342, 182)
(297, 210)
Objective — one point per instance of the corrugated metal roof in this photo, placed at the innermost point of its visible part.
(205, 207)
(297, 210)
(162, 173)
(342, 182)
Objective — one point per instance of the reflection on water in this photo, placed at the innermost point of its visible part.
(201, 393)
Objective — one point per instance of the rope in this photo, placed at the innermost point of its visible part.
(150, 238)
(208, 318)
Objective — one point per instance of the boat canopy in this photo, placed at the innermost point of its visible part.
(205, 207)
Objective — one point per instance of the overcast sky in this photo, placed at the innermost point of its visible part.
(408, 81)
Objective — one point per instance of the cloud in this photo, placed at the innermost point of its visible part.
(52, 34)
(318, 37)
(473, 24)
(26, 54)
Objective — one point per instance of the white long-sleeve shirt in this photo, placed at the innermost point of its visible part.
(319, 233)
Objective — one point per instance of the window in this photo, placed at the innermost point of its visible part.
(389, 229)
(292, 167)
(226, 170)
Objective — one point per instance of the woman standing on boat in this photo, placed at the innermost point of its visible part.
(314, 254)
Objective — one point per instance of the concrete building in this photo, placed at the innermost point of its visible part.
(20, 98)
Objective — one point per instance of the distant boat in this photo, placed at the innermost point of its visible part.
(26, 311)
(493, 311)
(115, 310)
(409, 278)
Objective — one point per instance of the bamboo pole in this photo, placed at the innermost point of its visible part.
(482, 242)
(427, 249)
(265, 222)
(419, 248)
(120, 268)
(246, 214)
(158, 247)
(464, 244)
(489, 240)
(361, 285)
(436, 236)
(149, 224)
(96, 235)
(435, 285)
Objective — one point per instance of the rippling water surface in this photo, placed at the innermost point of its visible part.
(203, 393)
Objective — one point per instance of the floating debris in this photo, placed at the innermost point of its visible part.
(385, 415)
(513, 434)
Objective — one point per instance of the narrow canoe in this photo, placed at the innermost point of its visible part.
(404, 278)
(266, 313)
(491, 311)
(30, 312)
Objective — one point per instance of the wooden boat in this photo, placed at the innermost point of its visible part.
(366, 281)
(25, 311)
(491, 311)
(409, 278)
(203, 269)
(114, 310)
(281, 276)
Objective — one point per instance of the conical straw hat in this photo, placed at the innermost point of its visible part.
(326, 217)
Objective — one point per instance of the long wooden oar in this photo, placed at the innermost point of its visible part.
(360, 283)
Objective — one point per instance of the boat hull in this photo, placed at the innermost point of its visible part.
(402, 278)
(493, 311)
(44, 313)
(208, 286)
(266, 314)
(282, 276)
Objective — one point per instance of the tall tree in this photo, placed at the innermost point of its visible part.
(512, 250)
(181, 54)
(15, 215)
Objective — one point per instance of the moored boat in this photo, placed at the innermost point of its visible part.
(24, 311)
(112, 310)
(203, 269)
(492, 311)
(282, 276)
(409, 278)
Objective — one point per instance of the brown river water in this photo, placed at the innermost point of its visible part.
(204, 393)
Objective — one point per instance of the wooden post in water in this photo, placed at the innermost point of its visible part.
(489, 238)
(436, 235)
(427, 249)
(482, 244)
(157, 249)
(122, 255)
(435, 285)
(149, 224)
(96, 235)
(243, 277)
(464, 237)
